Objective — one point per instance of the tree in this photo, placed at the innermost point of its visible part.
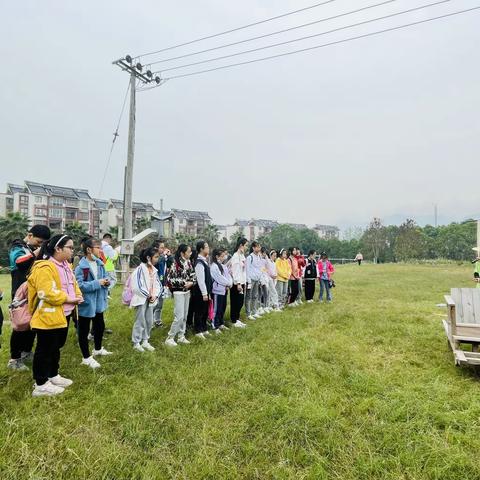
(374, 238)
(113, 231)
(142, 224)
(12, 226)
(410, 242)
(78, 232)
(210, 235)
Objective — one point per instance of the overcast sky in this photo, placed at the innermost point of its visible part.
(380, 126)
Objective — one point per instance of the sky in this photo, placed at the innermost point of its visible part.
(383, 126)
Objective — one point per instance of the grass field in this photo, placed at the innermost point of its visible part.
(363, 388)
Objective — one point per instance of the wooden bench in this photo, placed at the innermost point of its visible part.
(462, 324)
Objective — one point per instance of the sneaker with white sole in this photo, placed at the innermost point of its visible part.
(251, 317)
(27, 356)
(239, 324)
(90, 362)
(138, 347)
(218, 331)
(102, 352)
(260, 311)
(170, 342)
(17, 364)
(147, 346)
(256, 316)
(48, 389)
(60, 381)
(206, 333)
(200, 335)
(223, 327)
(183, 340)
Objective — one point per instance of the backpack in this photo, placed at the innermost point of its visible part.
(20, 315)
(127, 293)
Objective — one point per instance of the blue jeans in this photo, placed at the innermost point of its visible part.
(325, 285)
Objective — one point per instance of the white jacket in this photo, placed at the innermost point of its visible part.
(237, 269)
(141, 285)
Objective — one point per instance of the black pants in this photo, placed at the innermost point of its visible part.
(220, 304)
(21, 342)
(236, 303)
(293, 287)
(46, 360)
(98, 327)
(200, 314)
(309, 289)
(359, 262)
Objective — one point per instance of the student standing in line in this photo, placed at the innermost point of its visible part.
(222, 282)
(237, 292)
(325, 271)
(284, 271)
(53, 294)
(294, 277)
(264, 296)
(93, 281)
(202, 291)
(161, 267)
(145, 291)
(310, 276)
(253, 266)
(273, 303)
(301, 267)
(22, 254)
(180, 279)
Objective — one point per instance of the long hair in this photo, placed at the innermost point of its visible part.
(182, 248)
(216, 253)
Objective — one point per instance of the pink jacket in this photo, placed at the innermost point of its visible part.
(330, 269)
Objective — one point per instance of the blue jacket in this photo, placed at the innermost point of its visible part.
(94, 295)
(161, 266)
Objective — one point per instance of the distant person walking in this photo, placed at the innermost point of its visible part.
(359, 258)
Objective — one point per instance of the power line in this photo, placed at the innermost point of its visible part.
(371, 34)
(223, 57)
(115, 135)
(274, 33)
(237, 29)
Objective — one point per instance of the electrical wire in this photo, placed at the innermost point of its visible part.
(338, 42)
(365, 22)
(274, 33)
(237, 29)
(115, 135)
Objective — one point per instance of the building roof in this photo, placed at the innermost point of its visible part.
(190, 214)
(101, 204)
(259, 222)
(11, 189)
(241, 223)
(45, 189)
(135, 205)
(326, 227)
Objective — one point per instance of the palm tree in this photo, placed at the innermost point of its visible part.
(12, 226)
(78, 232)
(210, 235)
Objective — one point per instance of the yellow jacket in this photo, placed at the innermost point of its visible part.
(284, 270)
(46, 297)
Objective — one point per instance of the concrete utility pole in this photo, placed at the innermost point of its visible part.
(136, 76)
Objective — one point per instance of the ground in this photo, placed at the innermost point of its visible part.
(363, 388)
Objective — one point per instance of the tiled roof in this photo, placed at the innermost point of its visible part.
(15, 188)
(190, 214)
(45, 189)
(326, 227)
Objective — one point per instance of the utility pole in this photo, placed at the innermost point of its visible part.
(136, 76)
(436, 215)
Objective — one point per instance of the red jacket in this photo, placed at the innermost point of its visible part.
(330, 269)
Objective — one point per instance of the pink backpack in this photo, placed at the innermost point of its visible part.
(127, 293)
(20, 315)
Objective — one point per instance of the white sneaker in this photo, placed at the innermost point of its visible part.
(138, 347)
(250, 317)
(257, 315)
(206, 333)
(48, 389)
(276, 310)
(223, 327)
(90, 362)
(17, 364)
(60, 381)
(183, 340)
(171, 342)
(101, 352)
(239, 324)
(147, 346)
(200, 335)
(217, 331)
(260, 311)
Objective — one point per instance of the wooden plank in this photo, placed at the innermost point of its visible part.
(460, 356)
(468, 331)
(472, 354)
(457, 298)
(476, 304)
(450, 301)
(467, 306)
(465, 339)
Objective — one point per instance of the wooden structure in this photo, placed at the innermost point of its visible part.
(462, 324)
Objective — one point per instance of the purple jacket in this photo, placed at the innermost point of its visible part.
(220, 280)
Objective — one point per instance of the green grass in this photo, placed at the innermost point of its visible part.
(364, 388)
